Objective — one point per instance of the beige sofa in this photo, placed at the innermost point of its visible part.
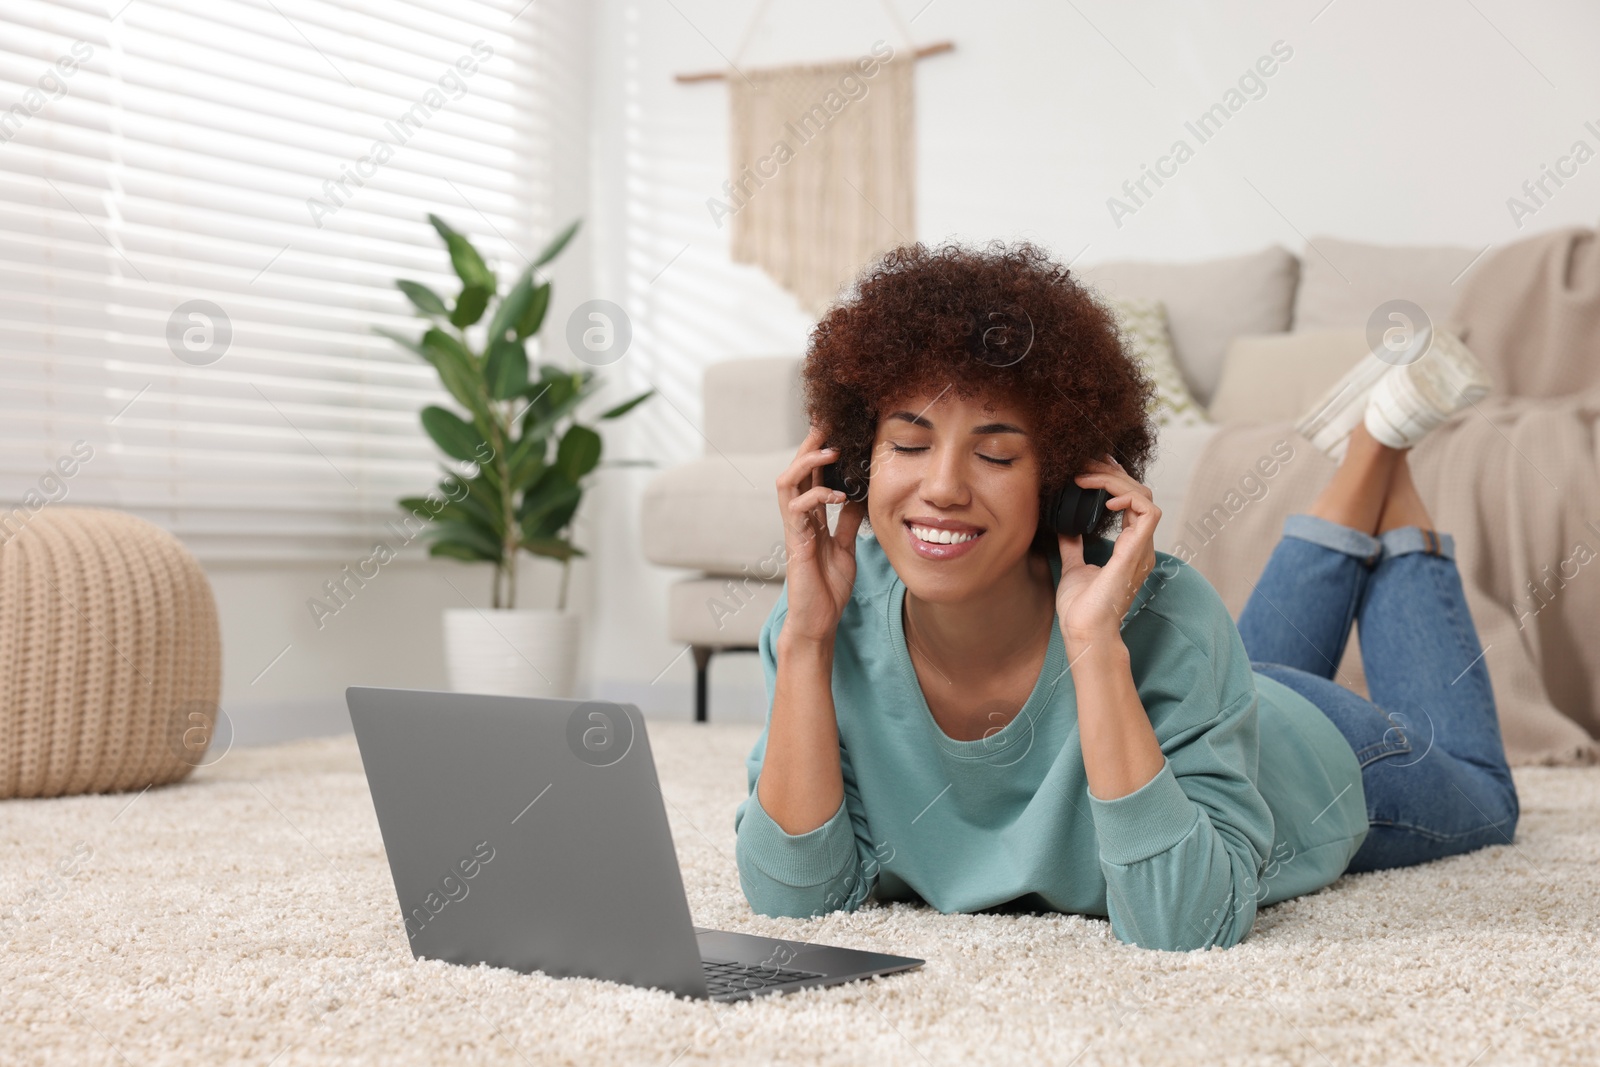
(717, 515)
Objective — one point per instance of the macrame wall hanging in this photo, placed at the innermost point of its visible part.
(822, 163)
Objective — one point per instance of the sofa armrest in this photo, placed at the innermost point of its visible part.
(718, 514)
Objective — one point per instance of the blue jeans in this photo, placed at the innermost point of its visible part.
(1428, 742)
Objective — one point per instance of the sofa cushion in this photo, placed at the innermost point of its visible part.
(1343, 282)
(717, 514)
(1145, 338)
(1277, 378)
(753, 405)
(1208, 303)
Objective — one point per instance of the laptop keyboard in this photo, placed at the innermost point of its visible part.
(725, 976)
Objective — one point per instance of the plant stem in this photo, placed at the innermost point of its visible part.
(566, 571)
(511, 579)
(505, 572)
(513, 542)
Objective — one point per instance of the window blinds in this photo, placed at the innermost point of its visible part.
(203, 208)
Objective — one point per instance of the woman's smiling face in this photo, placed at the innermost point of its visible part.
(954, 492)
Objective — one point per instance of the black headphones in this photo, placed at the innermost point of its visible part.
(1071, 511)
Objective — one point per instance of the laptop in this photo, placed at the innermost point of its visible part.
(532, 834)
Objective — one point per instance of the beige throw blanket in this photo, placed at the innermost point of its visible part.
(1515, 480)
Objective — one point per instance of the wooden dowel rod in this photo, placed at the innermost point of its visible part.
(937, 48)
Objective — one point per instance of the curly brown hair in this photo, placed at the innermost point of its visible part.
(1001, 321)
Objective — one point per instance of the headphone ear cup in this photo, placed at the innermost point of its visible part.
(853, 486)
(1074, 510)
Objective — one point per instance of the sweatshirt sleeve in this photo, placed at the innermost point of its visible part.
(830, 868)
(1183, 854)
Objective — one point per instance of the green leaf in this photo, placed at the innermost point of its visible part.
(512, 307)
(552, 498)
(470, 536)
(494, 490)
(548, 507)
(559, 242)
(527, 461)
(472, 508)
(554, 387)
(427, 301)
(506, 369)
(465, 510)
(457, 369)
(457, 550)
(550, 522)
(470, 267)
(549, 504)
(553, 548)
(419, 505)
(439, 342)
(627, 405)
(444, 228)
(554, 397)
(469, 306)
(456, 436)
(528, 472)
(525, 476)
(578, 452)
(403, 341)
(486, 500)
(548, 482)
(532, 317)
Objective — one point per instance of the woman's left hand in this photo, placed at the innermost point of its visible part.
(1092, 599)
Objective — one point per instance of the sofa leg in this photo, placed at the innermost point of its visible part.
(702, 663)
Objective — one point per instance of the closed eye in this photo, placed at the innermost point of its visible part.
(907, 449)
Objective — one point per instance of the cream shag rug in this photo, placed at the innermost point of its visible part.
(247, 916)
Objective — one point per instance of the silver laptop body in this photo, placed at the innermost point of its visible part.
(532, 834)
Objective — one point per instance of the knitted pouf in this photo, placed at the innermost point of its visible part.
(110, 656)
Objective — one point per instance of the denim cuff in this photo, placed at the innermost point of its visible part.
(1320, 531)
(1398, 542)
(1408, 539)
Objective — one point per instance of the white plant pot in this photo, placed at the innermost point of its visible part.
(518, 652)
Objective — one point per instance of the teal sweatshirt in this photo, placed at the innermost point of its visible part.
(1259, 798)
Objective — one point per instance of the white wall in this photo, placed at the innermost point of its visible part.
(1402, 124)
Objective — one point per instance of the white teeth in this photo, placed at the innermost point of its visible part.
(941, 537)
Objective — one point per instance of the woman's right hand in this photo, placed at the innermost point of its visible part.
(821, 566)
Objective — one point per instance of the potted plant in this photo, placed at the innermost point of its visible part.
(526, 455)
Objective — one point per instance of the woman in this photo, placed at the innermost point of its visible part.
(972, 711)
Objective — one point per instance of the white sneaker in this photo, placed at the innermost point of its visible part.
(1418, 396)
(1329, 421)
